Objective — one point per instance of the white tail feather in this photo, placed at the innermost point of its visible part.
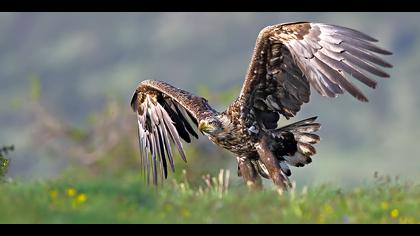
(307, 138)
(306, 149)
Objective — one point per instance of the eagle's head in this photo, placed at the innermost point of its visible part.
(210, 126)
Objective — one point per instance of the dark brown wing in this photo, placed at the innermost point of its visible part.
(290, 58)
(163, 114)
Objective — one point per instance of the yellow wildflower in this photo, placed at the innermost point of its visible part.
(81, 198)
(394, 213)
(71, 192)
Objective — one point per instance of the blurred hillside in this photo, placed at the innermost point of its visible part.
(74, 73)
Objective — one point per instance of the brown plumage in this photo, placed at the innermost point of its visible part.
(288, 60)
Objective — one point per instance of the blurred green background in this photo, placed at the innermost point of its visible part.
(67, 80)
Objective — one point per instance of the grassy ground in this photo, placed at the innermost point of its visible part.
(125, 200)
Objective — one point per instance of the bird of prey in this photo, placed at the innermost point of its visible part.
(288, 59)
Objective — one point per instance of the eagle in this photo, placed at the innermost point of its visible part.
(287, 61)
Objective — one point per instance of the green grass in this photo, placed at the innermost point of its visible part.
(124, 199)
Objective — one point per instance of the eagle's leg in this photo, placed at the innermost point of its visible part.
(266, 156)
(249, 173)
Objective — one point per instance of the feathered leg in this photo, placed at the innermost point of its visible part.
(249, 173)
(266, 156)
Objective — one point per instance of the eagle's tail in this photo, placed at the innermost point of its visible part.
(293, 145)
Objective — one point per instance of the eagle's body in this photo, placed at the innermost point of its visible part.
(287, 60)
(234, 137)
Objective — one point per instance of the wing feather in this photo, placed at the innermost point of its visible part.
(186, 124)
(344, 31)
(162, 122)
(290, 58)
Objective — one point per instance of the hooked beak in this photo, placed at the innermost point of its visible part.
(203, 127)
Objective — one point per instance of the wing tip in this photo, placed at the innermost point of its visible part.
(133, 102)
(362, 98)
(386, 52)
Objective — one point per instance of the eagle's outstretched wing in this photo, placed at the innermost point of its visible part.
(290, 58)
(162, 113)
